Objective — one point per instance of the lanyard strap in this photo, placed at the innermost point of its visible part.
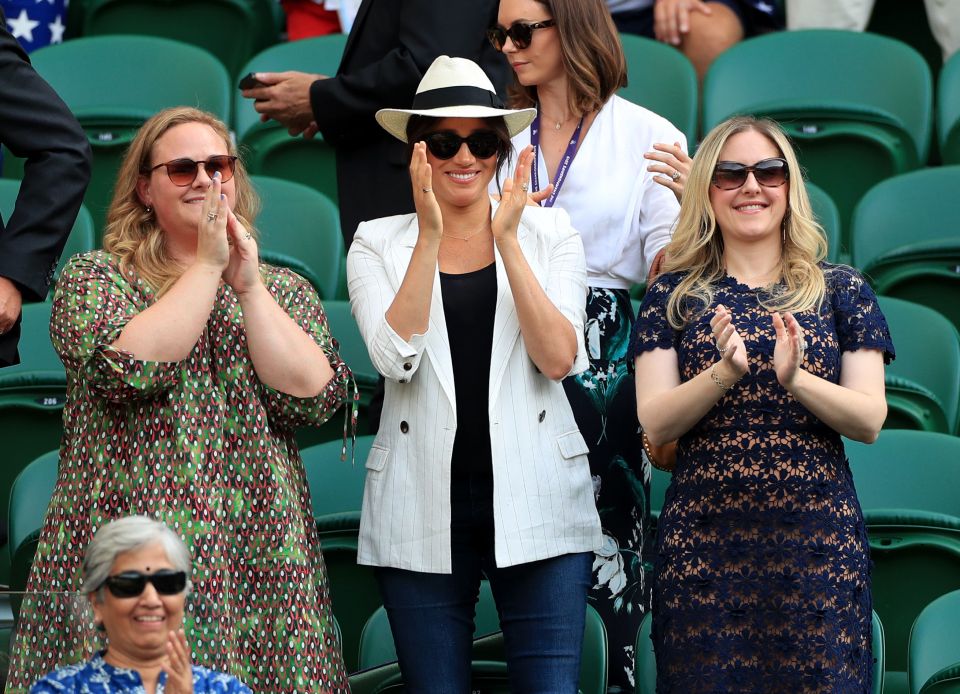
(564, 163)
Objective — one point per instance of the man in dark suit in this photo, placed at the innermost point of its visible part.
(391, 45)
(36, 125)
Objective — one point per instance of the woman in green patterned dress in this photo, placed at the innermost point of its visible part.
(189, 366)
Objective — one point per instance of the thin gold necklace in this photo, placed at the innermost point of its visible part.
(468, 236)
(561, 122)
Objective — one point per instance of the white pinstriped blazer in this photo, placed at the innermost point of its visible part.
(543, 494)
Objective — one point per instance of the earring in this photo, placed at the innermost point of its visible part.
(149, 209)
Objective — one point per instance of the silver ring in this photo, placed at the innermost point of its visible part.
(211, 216)
(247, 236)
(675, 175)
(722, 350)
(523, 187)
(427, 190)
(803, 344)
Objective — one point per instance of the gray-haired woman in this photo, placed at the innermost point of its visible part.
(136, 576)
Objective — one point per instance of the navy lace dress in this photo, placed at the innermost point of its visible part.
(762, 562)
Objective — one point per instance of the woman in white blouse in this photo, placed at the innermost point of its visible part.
(591, 160)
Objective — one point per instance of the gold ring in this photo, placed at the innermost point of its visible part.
(427, 190)
(523, 187)
(211, 216)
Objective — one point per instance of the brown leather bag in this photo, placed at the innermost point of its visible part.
(663, 457)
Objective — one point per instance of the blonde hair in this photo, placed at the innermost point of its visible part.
(592, 56)
(132, 233)
(697, 245)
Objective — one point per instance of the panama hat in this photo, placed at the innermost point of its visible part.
(454, 88)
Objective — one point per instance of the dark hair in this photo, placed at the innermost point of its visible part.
(419, 126)
(592, 54)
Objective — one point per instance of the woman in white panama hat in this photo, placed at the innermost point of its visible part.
(472, 310)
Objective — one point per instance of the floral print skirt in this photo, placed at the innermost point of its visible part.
(604, 402)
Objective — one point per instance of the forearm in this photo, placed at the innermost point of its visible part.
(409, 313)
(168, 330)
(668, 415)
(850, 413)
(284, 356)
(549, 337)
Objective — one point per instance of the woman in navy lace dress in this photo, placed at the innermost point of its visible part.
(758, 357)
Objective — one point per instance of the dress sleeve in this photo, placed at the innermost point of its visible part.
(859, 322)
(652, 329)
(302, 303)
(92, 305)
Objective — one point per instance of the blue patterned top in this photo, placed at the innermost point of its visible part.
(97, 677)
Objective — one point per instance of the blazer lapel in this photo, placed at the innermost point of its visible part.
(506, 326)
(437, 341)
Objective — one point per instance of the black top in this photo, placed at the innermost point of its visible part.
(469, 302)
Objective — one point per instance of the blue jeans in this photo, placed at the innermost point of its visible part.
(541, 606)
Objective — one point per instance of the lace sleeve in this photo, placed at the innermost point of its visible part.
(652, 330)
(859, 321)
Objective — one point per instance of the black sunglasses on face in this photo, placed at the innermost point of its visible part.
(444, 144)
(130, 584)
(183, 172)
(770, 173)
(521, 33)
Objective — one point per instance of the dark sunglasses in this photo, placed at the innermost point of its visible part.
(183, 172)
(444, 144)
(770, 173)
(130, 584)
(521, 33)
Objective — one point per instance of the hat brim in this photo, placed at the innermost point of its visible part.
(394, 120)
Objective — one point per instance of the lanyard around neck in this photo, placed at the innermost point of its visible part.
(565, 163)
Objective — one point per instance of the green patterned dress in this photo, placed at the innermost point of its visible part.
(203, 445)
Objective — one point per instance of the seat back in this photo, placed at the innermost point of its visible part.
(948, 110)
(934, 663)
(81, 238)
(923, 383)
(878, 122)
(827, 214)
(645, 660)
(271, 150)
(300, 229)
(662, 79)
(353, 349)
(30, 495)
(336, 486)
(112, 84)
(912, 251)
(906, 484)
(228, 29)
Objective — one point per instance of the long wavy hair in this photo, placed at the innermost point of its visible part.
(592, 55)
(132, 233)
(697, 244)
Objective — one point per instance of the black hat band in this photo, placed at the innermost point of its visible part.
(445, 97)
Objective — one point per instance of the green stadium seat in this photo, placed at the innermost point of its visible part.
(907, 483)
(827, 214)
(29, 497)
(231, 30)
(858, 106)
(905, 238)
(353, 349)
(336, 490)
(114, 83)
(271, 150)
(32, 396)
(669, 89)
(82, 237)
(300, 229)
(948, 111)
(934, 666)
(923, 383)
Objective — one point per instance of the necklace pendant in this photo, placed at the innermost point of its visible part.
(557, 126)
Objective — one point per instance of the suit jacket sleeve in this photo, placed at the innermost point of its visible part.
(344, 105)
(36, 125)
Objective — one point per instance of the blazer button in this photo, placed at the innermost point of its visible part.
(404, 427)
(543, 414)
(407, 366)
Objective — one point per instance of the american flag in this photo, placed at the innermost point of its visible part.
(36, 23)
